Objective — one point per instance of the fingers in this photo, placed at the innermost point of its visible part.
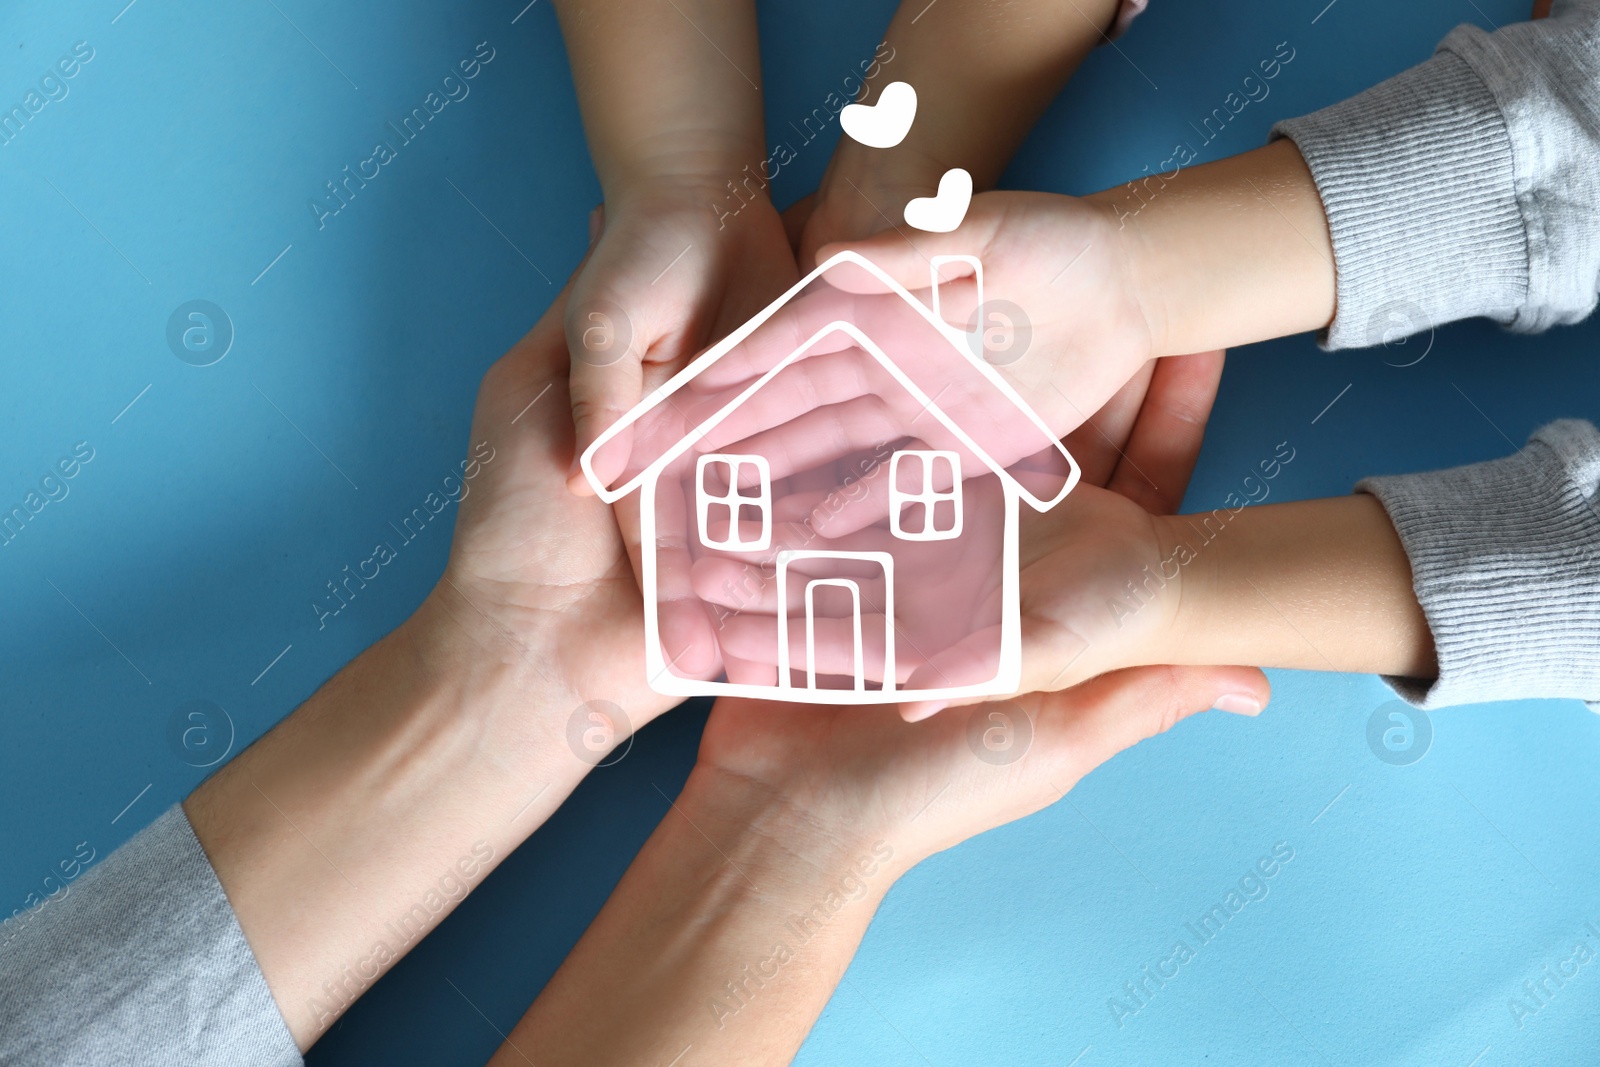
(688, 637)
(1165, 440)
(795, 217)
(903, 254)
(831, 646)
(1116, 711)
(973, 660)
(627, 307)
(814, 382)
(1098, 444)
(825, 435)
(741, 587)
(773, 341)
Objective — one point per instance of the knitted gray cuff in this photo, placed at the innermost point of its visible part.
(1505, 561)
(1415, 176)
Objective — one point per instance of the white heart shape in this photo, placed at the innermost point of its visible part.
(944, 212)
(886, 123)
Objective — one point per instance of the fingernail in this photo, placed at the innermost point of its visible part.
(1238, 704)
(922, 709)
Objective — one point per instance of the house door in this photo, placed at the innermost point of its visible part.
(845, 616)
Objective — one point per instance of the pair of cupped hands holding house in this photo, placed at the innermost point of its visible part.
(924, 474)
(861, 493)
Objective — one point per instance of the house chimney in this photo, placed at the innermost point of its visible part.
(938, 279)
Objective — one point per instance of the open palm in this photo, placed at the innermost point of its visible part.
(861, 774)
(534, 566)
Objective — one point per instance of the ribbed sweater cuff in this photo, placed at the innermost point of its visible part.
(1505, 561)
(1415, 176)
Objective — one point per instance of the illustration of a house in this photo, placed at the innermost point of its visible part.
(830, 495)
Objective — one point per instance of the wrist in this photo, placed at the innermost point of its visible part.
(1311, 585)
(745, 919)
(394, 783)
(699, 167)
(1226, 253)
(1188, 630)
(795, 839)
(494, 691)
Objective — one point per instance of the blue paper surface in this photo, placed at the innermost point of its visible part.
(179, 163)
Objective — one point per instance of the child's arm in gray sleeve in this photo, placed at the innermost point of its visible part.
(1467, 185)
(139, 961)
(1505, 561)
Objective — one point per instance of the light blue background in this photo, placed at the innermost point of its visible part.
(1419, 899)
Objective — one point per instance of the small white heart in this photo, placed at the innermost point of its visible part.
(944, 212)
(886, 123)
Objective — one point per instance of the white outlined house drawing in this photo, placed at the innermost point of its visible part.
(890, 595)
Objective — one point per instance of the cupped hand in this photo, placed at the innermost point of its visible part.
(674, 268)
(539, 581)
(861, 774)
(1064, 319)
(1063, 325)
(1100, 582)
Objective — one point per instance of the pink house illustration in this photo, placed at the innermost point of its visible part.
(830, 499)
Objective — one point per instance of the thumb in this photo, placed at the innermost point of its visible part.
(626, 308)
(904, 253)
(1115, 711)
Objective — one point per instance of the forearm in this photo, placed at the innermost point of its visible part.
(727, 935)
(1319, 585)
(984, 73)
(1227, 253)
(669, 91)
(357, 824)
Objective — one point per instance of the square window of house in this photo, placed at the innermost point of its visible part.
(733, 501)
(925, 495)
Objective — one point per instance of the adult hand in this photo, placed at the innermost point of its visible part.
(540, 579)
(862, 774)
(791, 829)
(441, 747)
(1100, 586)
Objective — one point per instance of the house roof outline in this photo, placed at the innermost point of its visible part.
(952, 335)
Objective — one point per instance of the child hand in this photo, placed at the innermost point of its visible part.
(666, 276)
(1063, 263)
(1062, 327)
(1102, 582)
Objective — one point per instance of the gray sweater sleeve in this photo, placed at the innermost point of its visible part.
(1505, 561)
(140, 961)
(1466, 186)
